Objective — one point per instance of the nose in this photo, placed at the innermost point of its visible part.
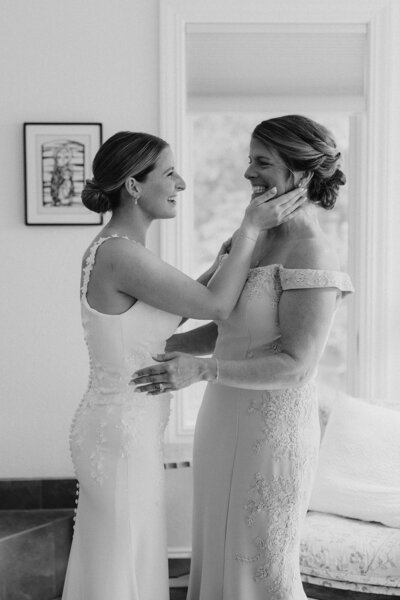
(249, 172)
(180, 183)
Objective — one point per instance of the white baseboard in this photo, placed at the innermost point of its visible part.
(179, 552)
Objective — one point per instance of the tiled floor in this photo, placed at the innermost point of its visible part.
(34, 548)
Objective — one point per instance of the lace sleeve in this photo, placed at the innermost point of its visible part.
(292, 279)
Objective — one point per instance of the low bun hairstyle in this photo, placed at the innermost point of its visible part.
(305, 145)
(94, 198)
(123, 155)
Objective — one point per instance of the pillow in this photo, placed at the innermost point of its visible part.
(327, 398)
(358, 475)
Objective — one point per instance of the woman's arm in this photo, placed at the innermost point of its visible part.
(305, 316)
(199, 341)
(155, 282)
(205, 277)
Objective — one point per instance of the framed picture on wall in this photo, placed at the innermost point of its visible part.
(58, 160)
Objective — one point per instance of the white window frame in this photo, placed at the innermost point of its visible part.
(373, 352)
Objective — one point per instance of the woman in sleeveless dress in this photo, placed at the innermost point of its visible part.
(257, 433)
(130, 300)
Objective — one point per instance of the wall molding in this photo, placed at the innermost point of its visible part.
(179, 551)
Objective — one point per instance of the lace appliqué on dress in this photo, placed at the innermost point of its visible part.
(111, 406)
(258, 286)
(97, 457)
(76, 437)
(277, 499)
(283, 414)
(280, 500)
(257, 279)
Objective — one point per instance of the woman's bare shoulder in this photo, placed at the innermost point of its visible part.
(117, 250)
(316, 252)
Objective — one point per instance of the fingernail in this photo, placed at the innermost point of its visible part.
(273, 189)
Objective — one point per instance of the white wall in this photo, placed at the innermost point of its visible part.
(81, 60)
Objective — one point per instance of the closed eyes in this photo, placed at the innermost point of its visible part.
(261, 163)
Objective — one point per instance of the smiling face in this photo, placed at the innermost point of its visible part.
(159, 190)
(267, 169)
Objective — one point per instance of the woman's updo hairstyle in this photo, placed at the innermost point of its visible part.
(305, 145)
(122, 155)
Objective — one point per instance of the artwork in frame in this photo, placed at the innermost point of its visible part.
(58, 160)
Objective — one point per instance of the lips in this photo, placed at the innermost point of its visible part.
(172, 199)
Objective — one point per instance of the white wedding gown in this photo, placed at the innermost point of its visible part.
(119, 549)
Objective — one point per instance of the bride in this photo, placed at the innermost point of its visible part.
(131, 302)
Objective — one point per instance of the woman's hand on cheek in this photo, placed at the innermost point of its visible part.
(174, 371)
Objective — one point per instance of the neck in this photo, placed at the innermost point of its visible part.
(273, 244)
(303, 224)
(130, 221)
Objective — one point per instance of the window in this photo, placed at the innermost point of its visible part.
(220, 156)
(202, 42)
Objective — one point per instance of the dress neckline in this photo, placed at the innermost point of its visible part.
(266, 266)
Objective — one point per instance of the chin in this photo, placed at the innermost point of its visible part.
(171, 214)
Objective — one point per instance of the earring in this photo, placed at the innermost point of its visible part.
(135, 200)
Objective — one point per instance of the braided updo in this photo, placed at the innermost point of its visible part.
(122, 155)
(305, 145)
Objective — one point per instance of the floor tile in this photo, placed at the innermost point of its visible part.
(27, 565)
(13, 522)
(58, 493)
(20, 494)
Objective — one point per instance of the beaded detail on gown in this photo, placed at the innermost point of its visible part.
(263, 448)
(119, 541)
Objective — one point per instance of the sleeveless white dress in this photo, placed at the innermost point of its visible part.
(119, 549)
(255, 455)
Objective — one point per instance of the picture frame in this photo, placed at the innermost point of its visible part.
(57, 160)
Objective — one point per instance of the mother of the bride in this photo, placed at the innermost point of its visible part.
(257, 433)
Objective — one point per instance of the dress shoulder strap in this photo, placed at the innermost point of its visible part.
(91, 259)
(292, 279)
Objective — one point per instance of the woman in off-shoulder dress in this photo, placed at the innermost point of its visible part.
(131, 302)
(257, 433)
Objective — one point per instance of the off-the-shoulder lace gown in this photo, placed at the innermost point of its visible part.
(119, 549)
(255, 454)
